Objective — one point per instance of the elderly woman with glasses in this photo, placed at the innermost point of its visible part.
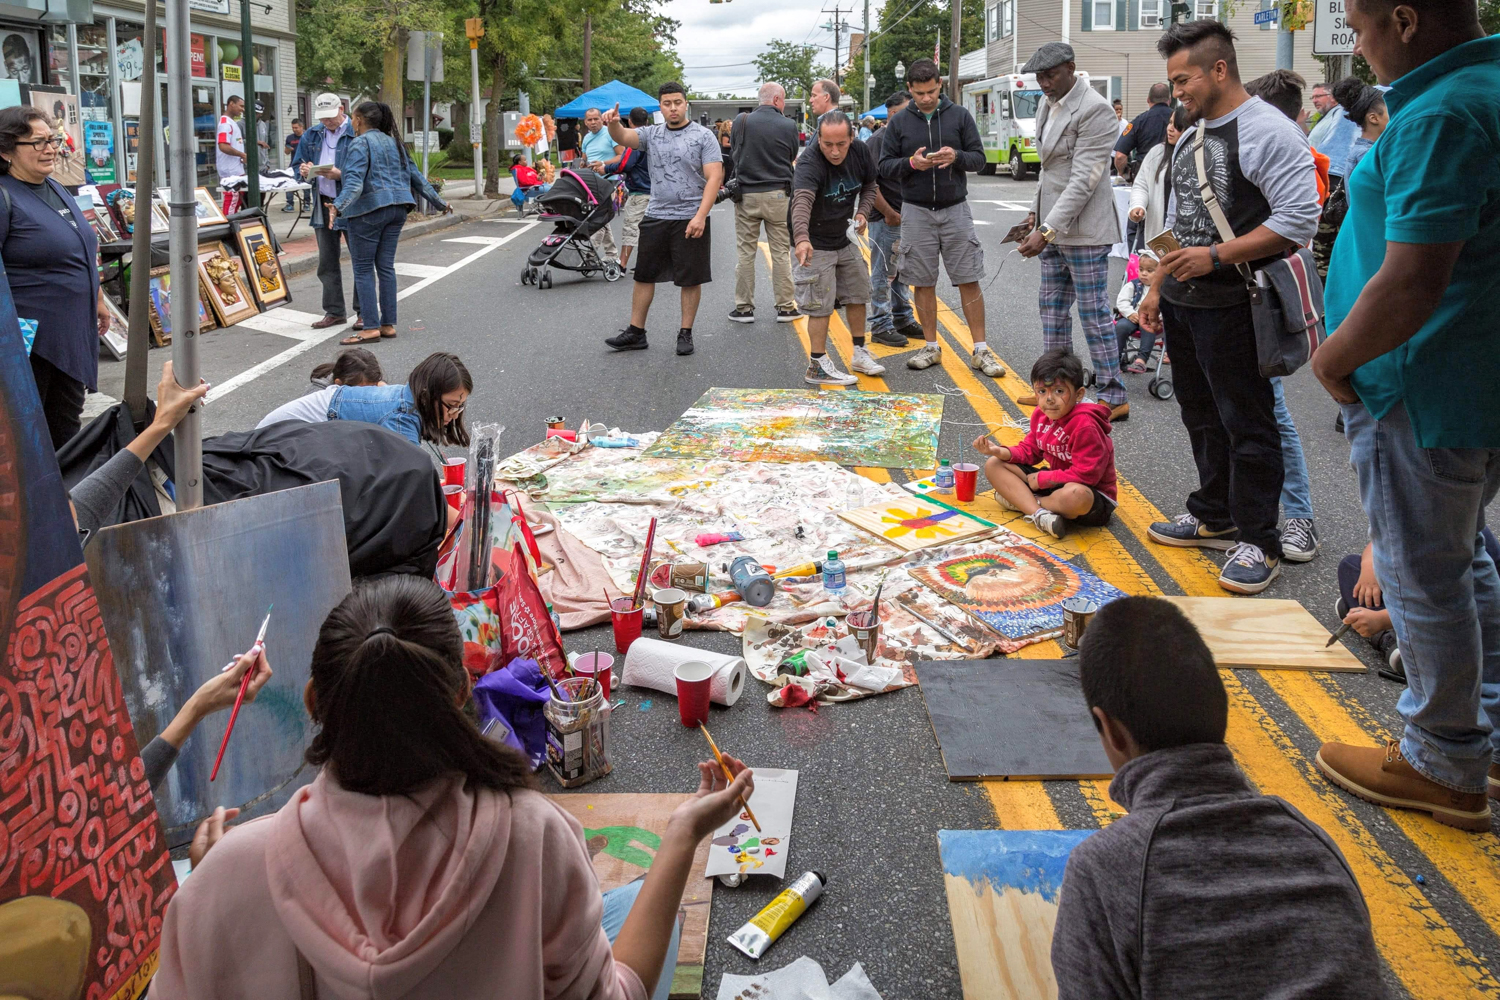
(48, 250)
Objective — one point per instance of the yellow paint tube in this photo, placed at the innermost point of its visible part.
(769, 924)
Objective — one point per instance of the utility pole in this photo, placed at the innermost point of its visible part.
(588, 52)
(474, 29)
(147, 128)
(1284, 39)
(523, 105)
(247, 81)
(837, 27)
(183, 247)
(426, 101)
(953, 52)
(865, 45)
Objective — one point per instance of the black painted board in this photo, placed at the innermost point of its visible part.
(1011, 718)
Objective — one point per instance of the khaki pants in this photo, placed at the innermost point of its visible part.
(768, 208)
(604, 242)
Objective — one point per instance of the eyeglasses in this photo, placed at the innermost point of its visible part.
(55, 141)
(453, 408)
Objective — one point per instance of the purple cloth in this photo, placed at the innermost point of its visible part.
(515, 696)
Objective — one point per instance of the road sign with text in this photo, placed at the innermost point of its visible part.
(1332, 35)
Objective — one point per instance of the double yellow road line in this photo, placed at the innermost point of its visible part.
(1461, 870)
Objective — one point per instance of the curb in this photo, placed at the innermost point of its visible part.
(309, 262)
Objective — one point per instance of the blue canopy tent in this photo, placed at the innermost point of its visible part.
(606, 97)
(878, 112)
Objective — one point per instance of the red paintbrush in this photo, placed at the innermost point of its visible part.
(260, 643)
(640, 579)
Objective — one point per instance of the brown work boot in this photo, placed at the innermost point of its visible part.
(1026, 400)
(1383, 776)
(1495, 781)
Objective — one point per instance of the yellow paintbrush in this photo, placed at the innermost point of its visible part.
(727, 776)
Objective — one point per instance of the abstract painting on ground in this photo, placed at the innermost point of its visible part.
(1015, 589)
(875, 429)
(1002, 900)
(915, 523)
(622, 833)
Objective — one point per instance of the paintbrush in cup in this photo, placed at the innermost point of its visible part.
(640, 579)
(727, 776)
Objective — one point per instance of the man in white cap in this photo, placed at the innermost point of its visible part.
(320, 156)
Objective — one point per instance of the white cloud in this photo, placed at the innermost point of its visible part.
(718, 41)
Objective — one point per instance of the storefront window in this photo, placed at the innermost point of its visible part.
(57, 58)
(268, 124)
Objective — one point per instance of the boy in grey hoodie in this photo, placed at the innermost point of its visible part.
(1206, 888)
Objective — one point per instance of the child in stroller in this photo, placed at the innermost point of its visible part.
(1127, 325)
(581, 203)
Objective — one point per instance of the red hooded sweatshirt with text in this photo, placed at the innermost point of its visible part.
(1077, 448)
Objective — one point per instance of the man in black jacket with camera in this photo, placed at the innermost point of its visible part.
(928, 148)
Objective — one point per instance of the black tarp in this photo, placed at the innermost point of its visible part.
(395, 514)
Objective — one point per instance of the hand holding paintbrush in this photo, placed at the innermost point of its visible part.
(256, 650)
(728, 776)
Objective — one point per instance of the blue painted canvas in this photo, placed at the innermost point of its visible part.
(1029, 860)
(1017, 590)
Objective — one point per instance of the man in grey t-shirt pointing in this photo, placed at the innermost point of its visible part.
(686, 170)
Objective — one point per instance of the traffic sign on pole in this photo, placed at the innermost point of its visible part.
(1266, 16)
(1332, 35)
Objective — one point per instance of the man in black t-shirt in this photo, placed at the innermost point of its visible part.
(834, 183)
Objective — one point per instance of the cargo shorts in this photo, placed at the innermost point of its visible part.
(928, 234)
(831, 276)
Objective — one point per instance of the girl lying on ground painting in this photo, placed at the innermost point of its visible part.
(422, 862)
(429, 407)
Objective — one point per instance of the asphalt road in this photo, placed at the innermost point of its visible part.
(873, 790)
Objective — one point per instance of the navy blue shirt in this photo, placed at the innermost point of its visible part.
(637, 174)
(50, 260)
(1146, 130)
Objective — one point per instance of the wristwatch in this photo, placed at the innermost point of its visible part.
(1048, 233)
(1213, 253)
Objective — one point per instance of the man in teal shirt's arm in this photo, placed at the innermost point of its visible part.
(1415, 360)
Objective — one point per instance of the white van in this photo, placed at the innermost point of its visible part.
(1004, 108)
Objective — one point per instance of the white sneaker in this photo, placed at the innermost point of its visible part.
(864, 362)
(984, 360)
(820, 371)
(925, 358)
(1052, 523)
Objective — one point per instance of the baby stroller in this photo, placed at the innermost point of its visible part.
(580, 203)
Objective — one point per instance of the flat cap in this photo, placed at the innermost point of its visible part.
(1049, 55)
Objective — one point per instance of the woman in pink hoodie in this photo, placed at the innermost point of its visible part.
(421, 863)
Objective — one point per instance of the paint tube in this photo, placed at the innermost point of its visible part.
(769, 924)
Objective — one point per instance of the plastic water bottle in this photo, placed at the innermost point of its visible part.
(556, 619)
(944, 478)
(833, 574)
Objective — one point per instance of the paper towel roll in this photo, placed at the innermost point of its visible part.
(650, 663)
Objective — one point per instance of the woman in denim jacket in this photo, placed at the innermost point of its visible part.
(378, 178)
(429, 407)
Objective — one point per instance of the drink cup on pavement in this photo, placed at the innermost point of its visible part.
(693, 681)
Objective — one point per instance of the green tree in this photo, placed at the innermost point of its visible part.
(790, 65)
(906, 32)
(334, 43)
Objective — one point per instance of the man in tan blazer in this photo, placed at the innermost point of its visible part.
(1076, 130)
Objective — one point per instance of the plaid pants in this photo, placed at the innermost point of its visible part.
(1082, 273)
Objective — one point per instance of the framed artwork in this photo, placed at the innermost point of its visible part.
(117, 338)
(160, 221)
(204, 206)
(265, 269)
(224, 282)
(161, 306)
(121, 204)
(98, 218)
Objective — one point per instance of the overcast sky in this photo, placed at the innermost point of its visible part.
(718, 41)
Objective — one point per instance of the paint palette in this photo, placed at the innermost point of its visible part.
(737, 847)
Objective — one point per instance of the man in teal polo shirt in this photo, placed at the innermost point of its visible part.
(1415, 362)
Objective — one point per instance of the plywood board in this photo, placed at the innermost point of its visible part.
(1011, 719)
(623, 833)
(1002, 890)
(1263, 633)
(917, 523)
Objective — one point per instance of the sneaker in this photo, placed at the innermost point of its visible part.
(821, 371)
(911, 331)
(1119, 413)
(1340, 606)
(890, 338)
(864, 362)
(926, 357)
(1338, 422)
(288, 209)
(1385, 777)
(685, 340)
(742, 314)
(1027, 400)
(1005, 504)
(788, 315)
(629, 339)
(1299, 539)
(1052, 523)
(1187, 531)
(984, 360)
(1136, 367)
(1249, 570)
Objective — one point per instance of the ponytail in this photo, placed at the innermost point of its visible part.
(388, 680)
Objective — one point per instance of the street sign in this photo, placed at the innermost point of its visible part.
(1266, 16)
(415, 40)
(1332, 35)
(508, 127)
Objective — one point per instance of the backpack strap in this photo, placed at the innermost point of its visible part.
(1211, 200)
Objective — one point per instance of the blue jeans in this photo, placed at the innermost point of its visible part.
(617, 904)
(890, 302)
(1296, 489)
(1426, 511)
(372, 250)
(390, 406)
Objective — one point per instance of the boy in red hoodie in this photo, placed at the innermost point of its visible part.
(1078, 484)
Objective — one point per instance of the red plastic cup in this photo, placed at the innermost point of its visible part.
(455, 494)
(453, 471)
(693, 680)
(561, 432)
(598, 666)
(625, 616)
(965, 477)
